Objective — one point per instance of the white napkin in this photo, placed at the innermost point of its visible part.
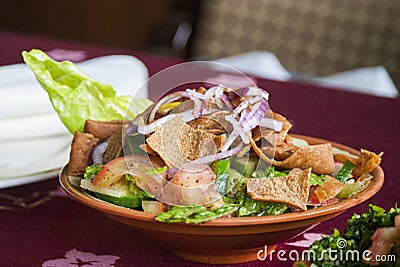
(263, 64)
(33, 141)
(372, 80)
(22, 95)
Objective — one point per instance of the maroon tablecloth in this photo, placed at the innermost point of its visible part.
(61, 231)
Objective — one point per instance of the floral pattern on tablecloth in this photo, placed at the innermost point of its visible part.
(75, 258)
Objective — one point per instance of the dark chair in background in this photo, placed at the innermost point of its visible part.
(313, 37)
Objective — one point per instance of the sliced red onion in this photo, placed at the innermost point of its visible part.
(245, 103)
(211, 92)
(241, 92)
(171, 172)
(219, 92)
(98, 152)
(131, 129)
(193, 94)
(237, 130)
(226, 101)
(275, 125)
(250, 119)
(253, 91)
(220, 155)
(166, 99)
(198, 108)
(264, 94)
(149, 128)
(209, 96)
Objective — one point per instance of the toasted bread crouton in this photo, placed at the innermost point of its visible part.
(178, 143)
(81, 153)
(102, 130)
(292, 189)
(114, 148)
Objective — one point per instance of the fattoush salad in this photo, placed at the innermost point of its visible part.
(195, 155)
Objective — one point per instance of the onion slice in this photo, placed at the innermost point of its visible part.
(275, 125)
(149, 128)
(220, 155)
(166, 99)
(98, 152)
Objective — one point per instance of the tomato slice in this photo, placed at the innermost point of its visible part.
(114, 170)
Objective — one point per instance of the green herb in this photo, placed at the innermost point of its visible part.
(345, 171)
(157, 170)
(251, 207)
(357, 236)
(134, 190)
(76, 96)
(221, 169)
(195, 213)
(91, 171)
(316, 179)
(269, 172)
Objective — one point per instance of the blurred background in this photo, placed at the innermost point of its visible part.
(309, 37)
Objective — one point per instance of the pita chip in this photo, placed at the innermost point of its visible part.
(292, 189)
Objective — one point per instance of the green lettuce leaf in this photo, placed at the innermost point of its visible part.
(195, 213)
(76, 96)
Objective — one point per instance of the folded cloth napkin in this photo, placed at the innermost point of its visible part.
(33, 142)
(372, 80)
(22, 98)
(263, 64)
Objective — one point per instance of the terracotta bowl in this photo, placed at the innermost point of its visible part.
(226, 240)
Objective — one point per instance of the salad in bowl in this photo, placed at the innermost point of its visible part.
(211, 171)
(197, 154)
(201, 154)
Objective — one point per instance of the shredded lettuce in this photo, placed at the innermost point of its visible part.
(250, 207)
(221, 169)
(92, 170)
(195, 213)
(316, 179)
(271, 172)
(76, 96)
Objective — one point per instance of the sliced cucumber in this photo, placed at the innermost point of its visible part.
(245, 166)
(235, 181)
(125, 201)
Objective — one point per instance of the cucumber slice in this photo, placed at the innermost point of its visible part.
(245, 166)
(125, 201)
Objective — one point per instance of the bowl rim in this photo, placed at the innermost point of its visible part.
(112, 209)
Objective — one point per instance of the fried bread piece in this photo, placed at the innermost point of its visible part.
(329, 189)
(81, 153)
(317, 157)
(292, 189)
(363, 164)
(178, 143)
(103, 129)
(114, 147)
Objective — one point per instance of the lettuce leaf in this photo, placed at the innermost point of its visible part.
(195, 213)
(76, 96)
